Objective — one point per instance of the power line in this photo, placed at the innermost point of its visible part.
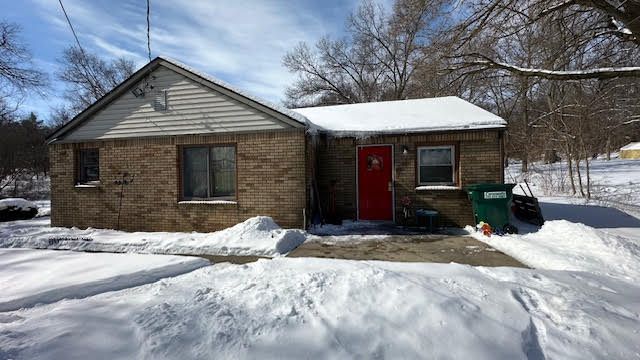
(88, 73)
(148, 31)
(71, 26)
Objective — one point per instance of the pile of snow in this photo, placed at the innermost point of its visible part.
(44, 207)
(337, 309)
(257, 236)
(31, 277)
(631, 146)
(401, 116)
(17, 209)
(17, 204)
(563, 245)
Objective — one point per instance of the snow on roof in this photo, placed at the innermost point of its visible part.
(631, 146)
(279, 108)
(401, 116)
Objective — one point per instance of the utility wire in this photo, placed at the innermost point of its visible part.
(90, 76)
(71, 26)
(148, 31)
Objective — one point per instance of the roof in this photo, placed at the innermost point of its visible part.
(631, 146)
(401, 116)
(284, 114)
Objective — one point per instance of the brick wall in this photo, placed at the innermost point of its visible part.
(480, 160)
(270, 181)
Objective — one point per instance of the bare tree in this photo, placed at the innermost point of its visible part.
(59, 115)
(17, 72)
(377, 61)
(590, 23)
(90, 77)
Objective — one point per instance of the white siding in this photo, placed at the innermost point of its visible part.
(192, 108)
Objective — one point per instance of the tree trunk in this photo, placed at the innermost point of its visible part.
(586, 160)
(525, 164)
(579, 176)
(571, 180)
(608, 146)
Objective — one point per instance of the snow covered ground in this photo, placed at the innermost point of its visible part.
(564, 245)
(599, 236)
(615, 183)
(581, 300)
(258, 236)
(29, 277)
(330, 309)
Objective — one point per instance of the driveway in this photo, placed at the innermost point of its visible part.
(406, 248)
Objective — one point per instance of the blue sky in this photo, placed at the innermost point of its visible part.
(241, 41)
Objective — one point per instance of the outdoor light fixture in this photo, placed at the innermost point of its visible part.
(405, 150)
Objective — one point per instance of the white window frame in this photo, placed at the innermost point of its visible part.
(453, 164)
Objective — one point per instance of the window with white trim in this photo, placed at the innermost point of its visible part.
(436, 165)
(209, 172)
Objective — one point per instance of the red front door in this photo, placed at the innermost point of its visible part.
(375, 189)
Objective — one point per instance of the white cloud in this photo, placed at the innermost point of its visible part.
(242, 42)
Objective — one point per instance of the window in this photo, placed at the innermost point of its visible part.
(209, 172)
(436, 165)
(88, 170)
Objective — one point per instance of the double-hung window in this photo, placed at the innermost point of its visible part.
(88, 166)
(436, 165)
(209, 172)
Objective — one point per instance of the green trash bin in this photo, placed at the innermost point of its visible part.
(492, 204)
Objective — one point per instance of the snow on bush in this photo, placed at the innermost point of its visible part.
(17, 209)
(564, 245)
(257, 236)
(17, 203)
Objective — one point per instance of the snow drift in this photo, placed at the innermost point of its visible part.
(257, 236)
(563, 245)
(31, 277)
(338, 309)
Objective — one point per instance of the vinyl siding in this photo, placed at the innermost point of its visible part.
(192, 108)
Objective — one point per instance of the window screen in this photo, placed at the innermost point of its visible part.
(436, 165)
(209, 172)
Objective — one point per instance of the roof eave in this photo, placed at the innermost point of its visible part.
(354, 133)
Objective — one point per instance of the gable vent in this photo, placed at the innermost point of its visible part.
(160, 100)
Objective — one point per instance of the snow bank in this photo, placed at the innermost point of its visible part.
(31, 277)
(563, 245)
(258, 236)
(17, 203)
(335, 309)
(631, 146)
(44, 207)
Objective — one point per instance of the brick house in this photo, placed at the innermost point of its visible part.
(171, 149)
